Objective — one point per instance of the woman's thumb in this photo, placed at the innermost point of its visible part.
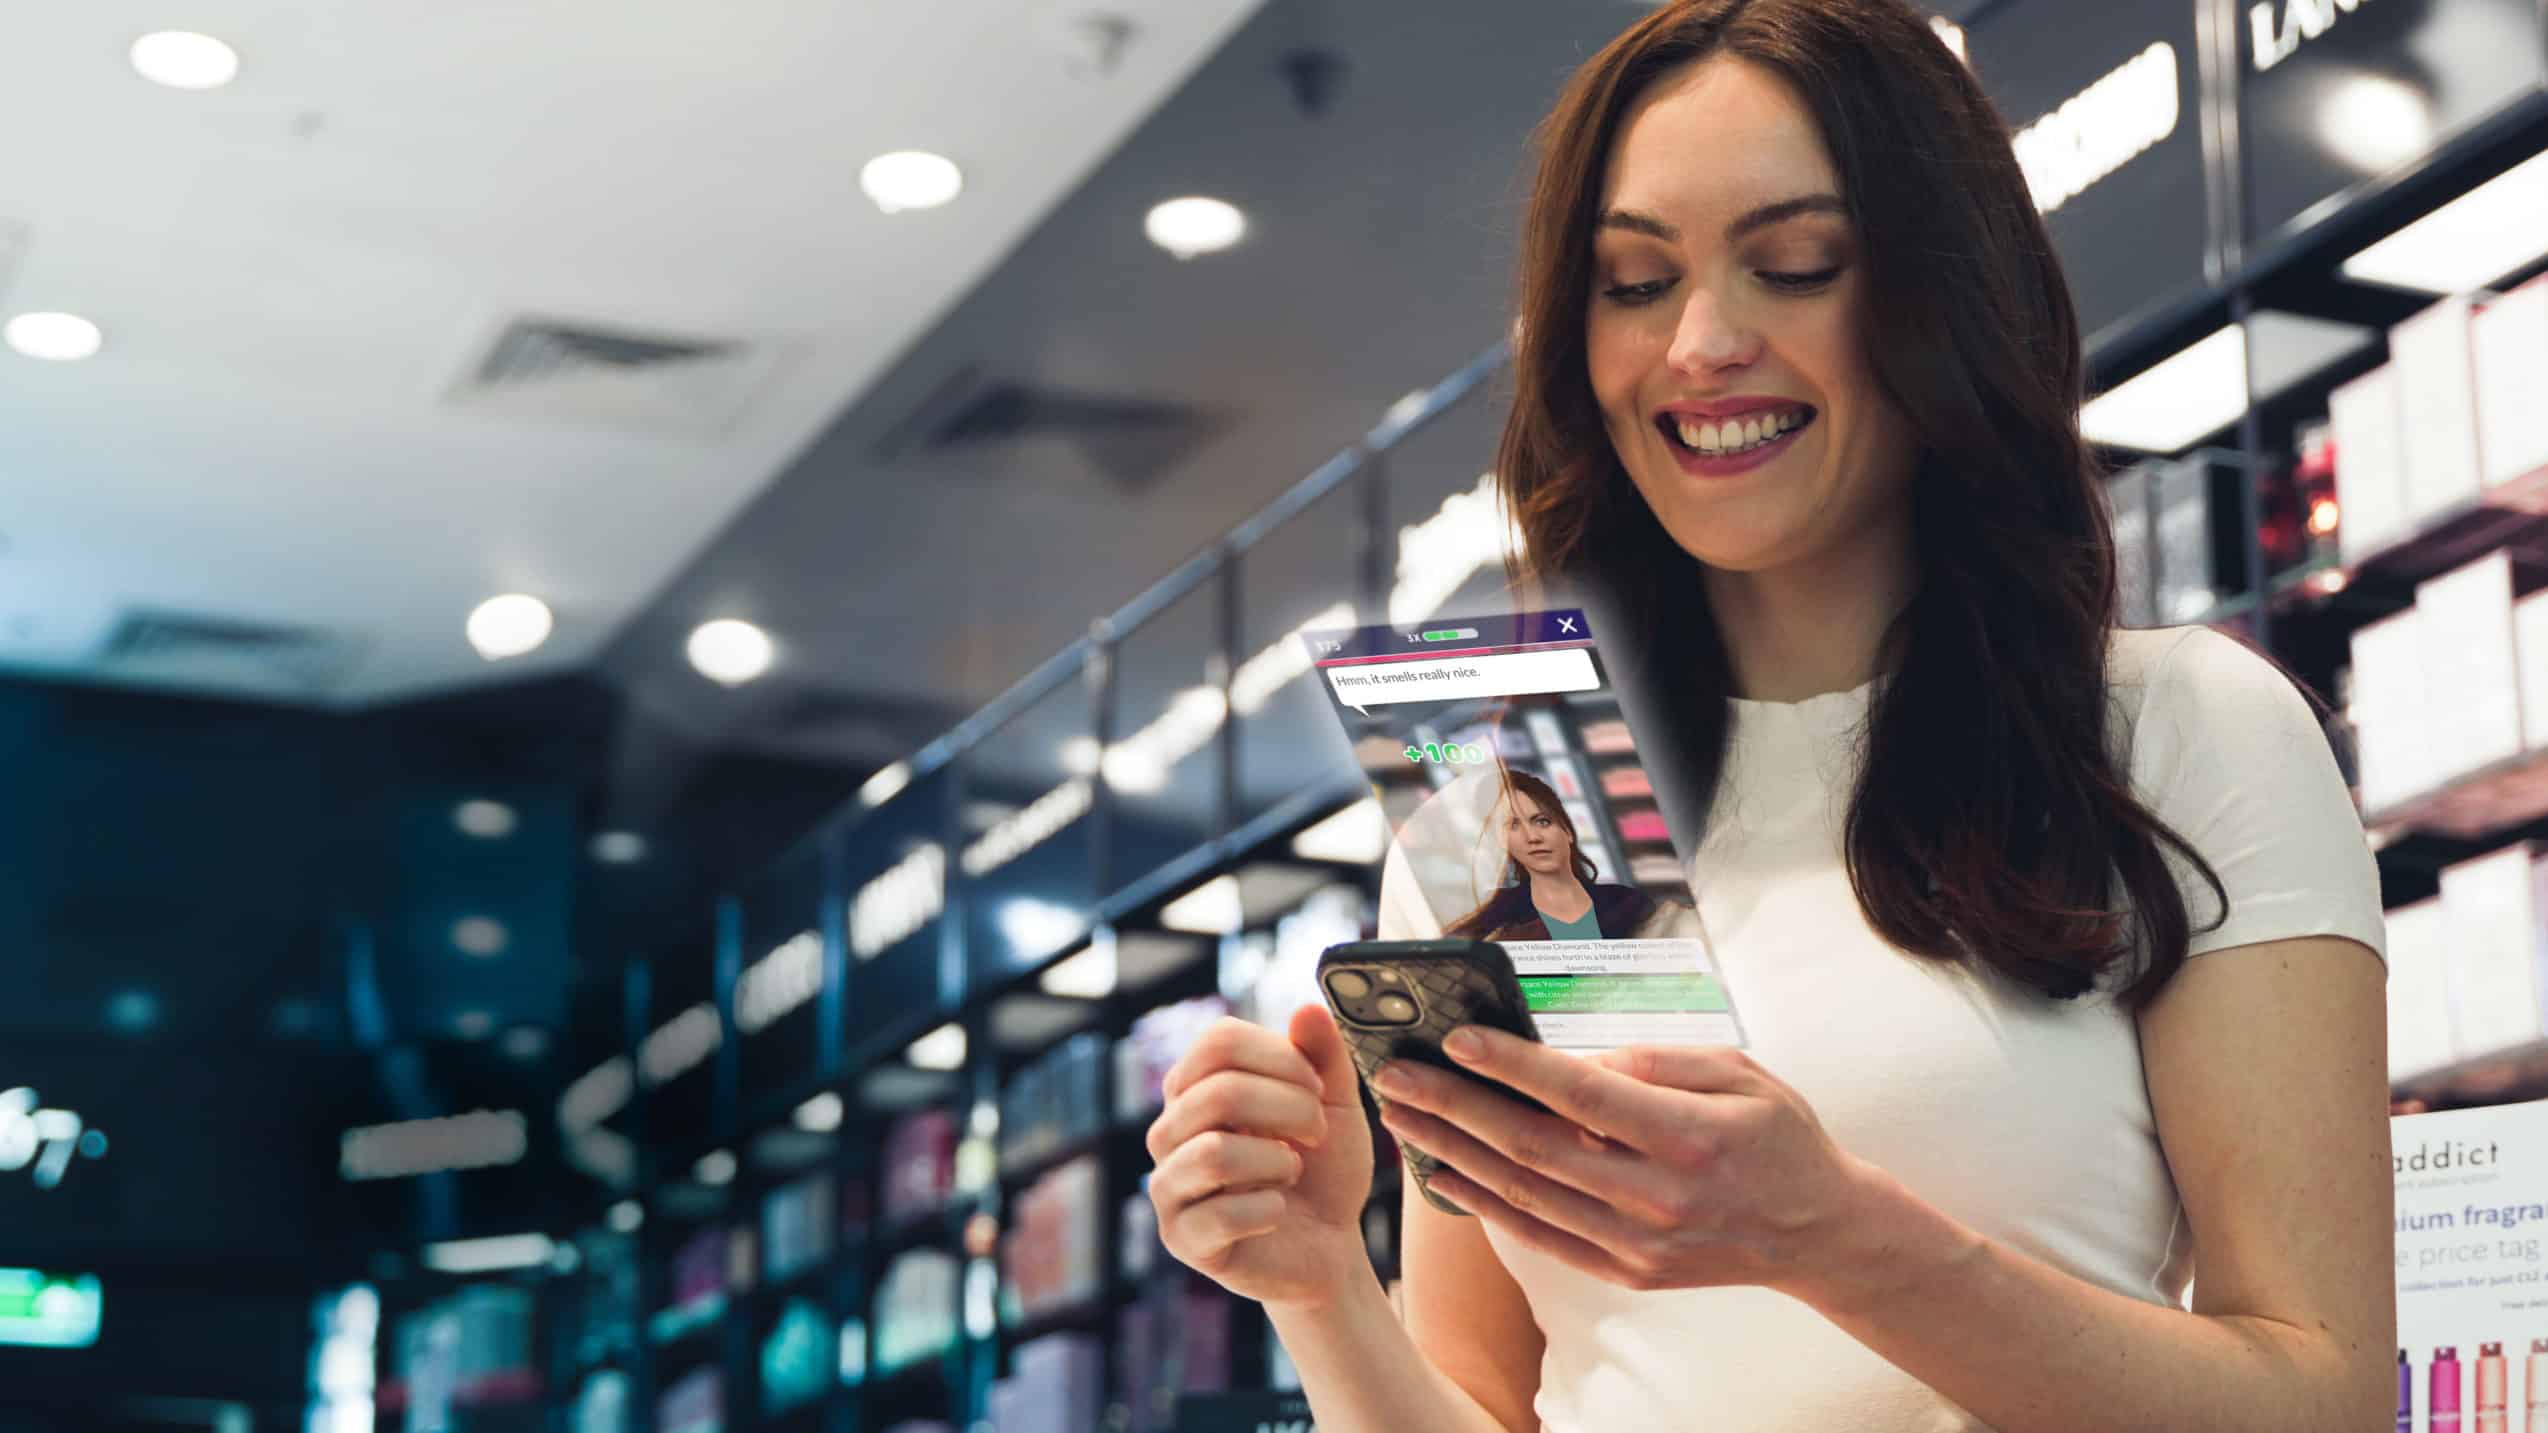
(1314, 1034)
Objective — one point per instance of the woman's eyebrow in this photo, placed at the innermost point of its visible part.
(1638, 221)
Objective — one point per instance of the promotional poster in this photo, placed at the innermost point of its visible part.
(2472, 1269)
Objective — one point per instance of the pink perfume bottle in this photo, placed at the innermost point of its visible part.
(2442, 1400)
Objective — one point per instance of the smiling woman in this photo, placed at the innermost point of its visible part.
(2058, 945)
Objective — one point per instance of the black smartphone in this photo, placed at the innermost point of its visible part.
(1396, 999)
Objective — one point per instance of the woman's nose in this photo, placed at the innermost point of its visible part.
(1711, 337)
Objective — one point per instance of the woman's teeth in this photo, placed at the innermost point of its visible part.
(1738, 435)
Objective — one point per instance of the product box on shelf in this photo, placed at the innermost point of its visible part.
(2472, 680)
(2497, 949)
(2420, 1036)
(796, 1227)
(2511, 340)
(2135, 555)
(2530, 647)
(1158, 1040)
(694, 1405)
(2186, 585)
(915, 1314)
(2370, 476)
(2437, 408)
(1173, 1342)
(919, 1164)
(1052, 1256)
(2388, 712)
(1058, 1385)
(1058, 1098)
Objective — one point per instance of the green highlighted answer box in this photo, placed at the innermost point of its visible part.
(1643, 994)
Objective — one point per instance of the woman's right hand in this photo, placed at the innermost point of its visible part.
(1264, 1161)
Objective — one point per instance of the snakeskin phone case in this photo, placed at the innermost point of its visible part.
(1453, 983)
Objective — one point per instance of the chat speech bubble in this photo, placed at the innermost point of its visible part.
(1451, 679)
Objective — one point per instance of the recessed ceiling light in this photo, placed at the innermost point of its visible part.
(509, 626)
(821, 1114)
(619, 848)
(940, 1049)
(54, 337)
(715, 1168)
(481, 936)
(473, 1024)
(627, 1217)
(729, 652)
(184, 60)
(885, 785)
(2493, 229)
(911, 179)
(526, 1042)
(1192, 226)
(1212, 908)
(1089, 975)
(2177, 401)
(485, 820)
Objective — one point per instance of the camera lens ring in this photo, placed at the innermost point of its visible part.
(1348, 984)
(1395, 1007)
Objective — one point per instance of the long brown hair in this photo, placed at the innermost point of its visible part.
(1510, 902)
(1990, 822)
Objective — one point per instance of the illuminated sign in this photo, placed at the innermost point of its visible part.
(2102, 128)
(2302, 21)
(46, 1139)
(40, 1310)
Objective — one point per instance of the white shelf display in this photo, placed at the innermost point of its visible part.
(2472, 711)
(2496, 950)
(2420, 1036)
(2388, 711)
(2510, 338)
(2370, 485)
(2437, 409)
(2455, 687)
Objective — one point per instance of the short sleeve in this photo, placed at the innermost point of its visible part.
(2232, 757)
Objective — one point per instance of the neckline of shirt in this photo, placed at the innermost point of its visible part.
(1853, 699)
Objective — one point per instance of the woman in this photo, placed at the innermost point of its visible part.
(2059, 946)
(1551, 890)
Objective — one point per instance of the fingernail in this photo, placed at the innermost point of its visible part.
(1464, 1046)
(1389, 1079)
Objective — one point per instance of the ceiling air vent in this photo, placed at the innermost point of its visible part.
(1133, 441)
(653, 383)
(194, 650)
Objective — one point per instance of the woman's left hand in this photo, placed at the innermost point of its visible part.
(1661, 1168)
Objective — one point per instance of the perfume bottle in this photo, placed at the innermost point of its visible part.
(2535, 1388)
(2442, 1397)
(2490, 1388)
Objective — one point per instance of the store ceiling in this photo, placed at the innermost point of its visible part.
(300, 277)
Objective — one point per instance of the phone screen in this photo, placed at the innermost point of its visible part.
(1522, 814)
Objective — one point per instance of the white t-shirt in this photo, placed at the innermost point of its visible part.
(2023, 1118)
